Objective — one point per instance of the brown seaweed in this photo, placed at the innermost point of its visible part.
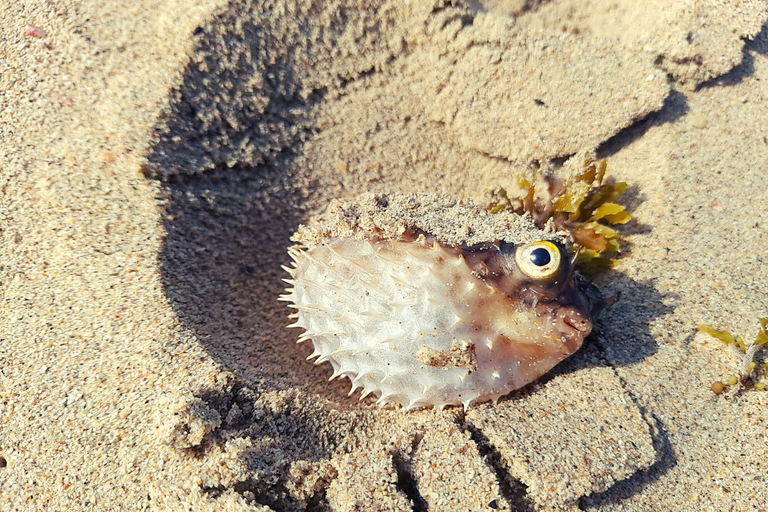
(584, 204)
(750, 375)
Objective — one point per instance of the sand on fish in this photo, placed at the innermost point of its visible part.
(155, 159)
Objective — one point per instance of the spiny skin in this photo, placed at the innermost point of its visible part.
(423, 324)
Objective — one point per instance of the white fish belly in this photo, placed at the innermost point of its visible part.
(406, 321)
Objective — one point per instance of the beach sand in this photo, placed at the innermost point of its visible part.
(155, 159)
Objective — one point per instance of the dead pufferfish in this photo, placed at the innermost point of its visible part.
(425, 301)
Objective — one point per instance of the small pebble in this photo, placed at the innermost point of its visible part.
(106, 158)
(697, 121)
(34, 31)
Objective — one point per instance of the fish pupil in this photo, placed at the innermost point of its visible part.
(540, 257)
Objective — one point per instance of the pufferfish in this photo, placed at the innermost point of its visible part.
(426, 301)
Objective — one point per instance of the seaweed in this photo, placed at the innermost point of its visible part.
(750, 375)
(583, 203)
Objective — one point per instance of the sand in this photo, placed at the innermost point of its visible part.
(155, 159)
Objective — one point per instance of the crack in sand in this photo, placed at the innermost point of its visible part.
(665, 456)
(512, 490)
(406, 480)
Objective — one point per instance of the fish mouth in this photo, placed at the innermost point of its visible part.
(574, 326)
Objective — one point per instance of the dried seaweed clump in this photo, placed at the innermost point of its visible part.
(583, 203)
(749, 375)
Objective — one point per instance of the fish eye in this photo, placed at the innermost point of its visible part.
(539, 260)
